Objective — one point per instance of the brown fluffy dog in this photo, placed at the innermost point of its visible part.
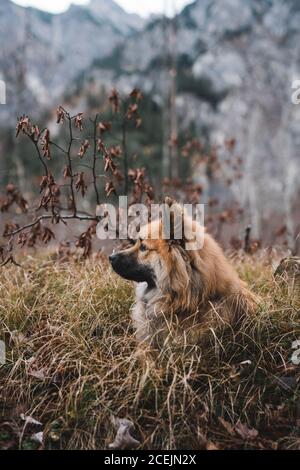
(191, 289)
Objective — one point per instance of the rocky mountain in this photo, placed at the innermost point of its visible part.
(236, 62)
(41, 54)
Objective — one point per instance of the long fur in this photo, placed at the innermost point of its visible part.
(193, 289)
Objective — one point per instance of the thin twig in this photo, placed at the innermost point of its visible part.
(47, 216)
(95, 159)
(35, 143)
(125, 154)
(58, 147)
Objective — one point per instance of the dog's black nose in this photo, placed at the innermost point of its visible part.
(112, 258)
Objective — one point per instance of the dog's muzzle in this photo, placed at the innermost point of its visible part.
(127, 267)
(113, 259)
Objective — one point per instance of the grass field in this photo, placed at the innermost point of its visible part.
(73, 363)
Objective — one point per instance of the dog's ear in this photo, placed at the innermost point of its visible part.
(173, 222)
(169, 201)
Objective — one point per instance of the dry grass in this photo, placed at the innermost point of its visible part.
(73, 362)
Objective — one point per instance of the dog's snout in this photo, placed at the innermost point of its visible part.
(127, 266)
(113, 258)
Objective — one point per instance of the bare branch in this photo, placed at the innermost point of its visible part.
(70, 163)
(95, 122)
(47, 216)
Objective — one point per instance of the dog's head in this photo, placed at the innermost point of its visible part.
(186, 277)
(145, 259)
(136, 263)
(160, 258)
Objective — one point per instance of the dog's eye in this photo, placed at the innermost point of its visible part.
(143, 247)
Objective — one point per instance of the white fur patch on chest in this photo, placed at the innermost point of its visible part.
(140, 290)
(139, 313)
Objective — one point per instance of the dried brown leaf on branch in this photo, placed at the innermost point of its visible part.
(83, 148)
(118, 175)
(101, 147)
(45, 200)
(44, 183)
(46, 144)
(138, 122)
(67, 172)
(132, 111)
(85, 241)
(136, 94)
(137, 175)
(149, 191)
(60, 114)
(104, 127)
(79, 121)
(114, 99)
(23, 124)
(110, 188)
(115, 151)
(80, 184)
(22, 239)
(32, 233)
(47, 235)
(109, 163)
(51, 193)
(55, 189)
(35, 133)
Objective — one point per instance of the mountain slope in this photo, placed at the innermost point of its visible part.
(43, 53)
(236, 60)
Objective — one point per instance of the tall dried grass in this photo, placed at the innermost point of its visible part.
(73, 363)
